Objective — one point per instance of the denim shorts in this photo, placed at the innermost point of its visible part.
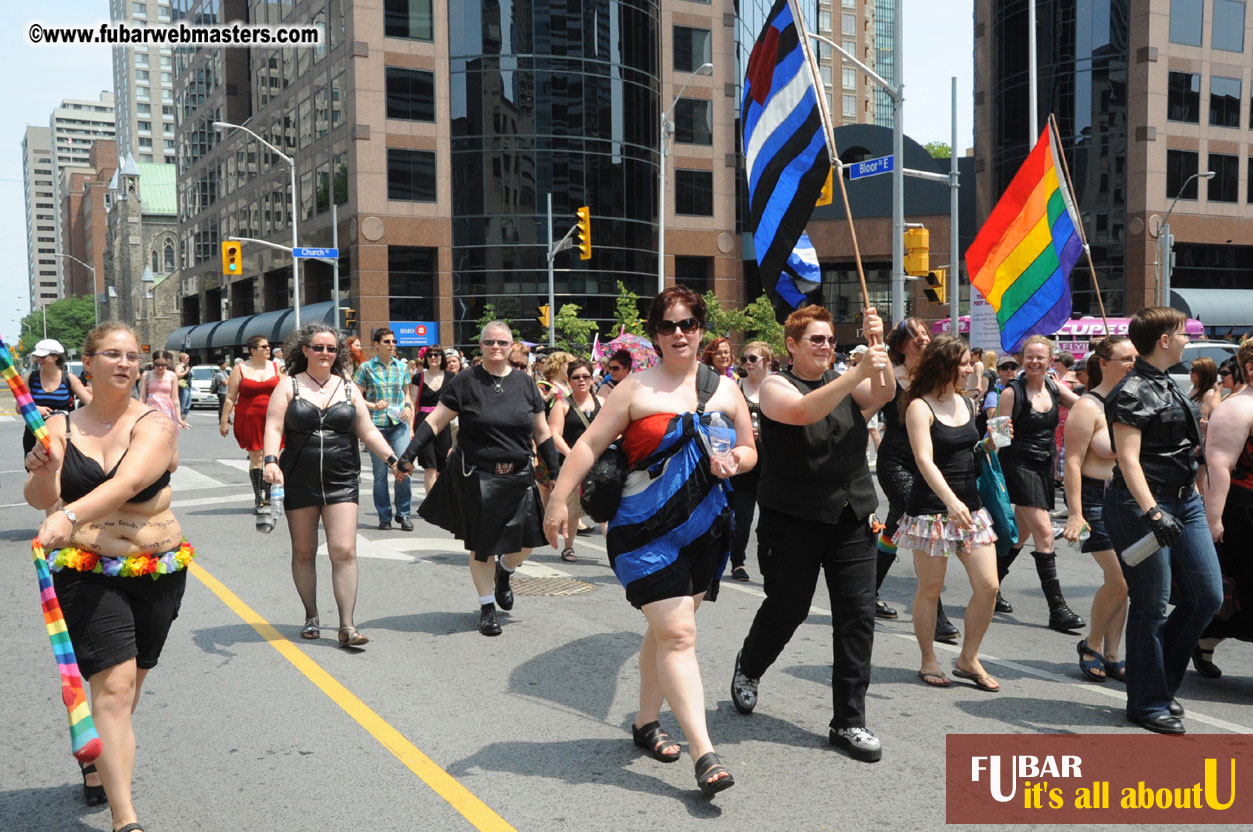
(1093, 497)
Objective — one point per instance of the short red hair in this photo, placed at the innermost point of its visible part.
(796, 324)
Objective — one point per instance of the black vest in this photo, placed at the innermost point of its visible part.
(814, 471)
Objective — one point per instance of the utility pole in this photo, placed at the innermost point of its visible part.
(898, 170)
(552, 312)
(955, 266)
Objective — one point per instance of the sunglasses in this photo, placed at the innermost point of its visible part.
(262, 347)
(323, 347)
(688, 325)
(751, 359)
(495, 343)
(821, 340)
(388, 341)
(1009, 366)
(613, 368)
(518, 365)
(158, 366)
(1225, 373)
(580, 378)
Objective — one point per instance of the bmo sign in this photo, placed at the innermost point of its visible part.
(415, 333)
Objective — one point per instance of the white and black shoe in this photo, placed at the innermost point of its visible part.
(743, 689)
(858, 743)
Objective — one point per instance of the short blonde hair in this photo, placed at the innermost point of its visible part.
(762, 347)
(554, 366)
(1040, 339)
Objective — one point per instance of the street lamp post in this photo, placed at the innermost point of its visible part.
(95, 295)
(295, 267)
(666, 128)
(1162, 264)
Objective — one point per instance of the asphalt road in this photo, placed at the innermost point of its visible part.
(245, 726)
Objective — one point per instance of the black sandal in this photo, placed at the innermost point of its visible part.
(92, 795)
(652, 739)
(130, 827)
(706, 767)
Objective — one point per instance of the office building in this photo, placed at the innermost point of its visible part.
(143, 85)
(83, 212)
(75, 125)
(41, 217)
(1146, 95)
(850, 92)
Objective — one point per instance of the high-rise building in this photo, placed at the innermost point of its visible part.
(41, 217)
(1146, 96)
(76, 124)
(850, 92)
(885, 12)
(143, 83)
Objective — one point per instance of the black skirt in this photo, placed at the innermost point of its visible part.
(490, 513)
(1030, 483)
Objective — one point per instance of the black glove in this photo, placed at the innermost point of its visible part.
(422, 437)
(1164, 525)
(548, 453)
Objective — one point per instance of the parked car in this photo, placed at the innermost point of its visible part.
(1220, 351)
(201, 381)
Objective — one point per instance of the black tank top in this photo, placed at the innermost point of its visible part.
(895, 445)
(815, 471)
(574, 427)
(952, 449)
(1034, 432)
(80, 474)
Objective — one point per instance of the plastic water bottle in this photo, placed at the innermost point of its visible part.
(1141, 550)
(394, 411)
(1084, 534)
(276, 503)
(721, 437)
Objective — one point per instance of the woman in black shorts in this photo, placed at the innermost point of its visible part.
(487, 496)
(424, 390)
(317, 417)
(1089, 465)
(1032, 402)
(109, 532)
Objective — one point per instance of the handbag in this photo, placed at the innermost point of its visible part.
(601, 491)
(995, 497)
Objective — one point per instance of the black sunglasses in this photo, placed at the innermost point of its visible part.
(580, 378)
(322, 347)
(688, 325)
(518, 365)
(751, 359)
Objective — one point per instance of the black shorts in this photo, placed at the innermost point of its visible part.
(1093, 497)
(1029, 483)
(112, 620)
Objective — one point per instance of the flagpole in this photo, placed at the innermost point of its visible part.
(1083, 238)
(829, 132)
(1033, 103)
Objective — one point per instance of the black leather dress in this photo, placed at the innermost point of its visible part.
(321, 461)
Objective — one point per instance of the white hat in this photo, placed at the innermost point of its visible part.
(860, 348)
(48, 346)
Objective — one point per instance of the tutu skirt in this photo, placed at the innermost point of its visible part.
(938, 536)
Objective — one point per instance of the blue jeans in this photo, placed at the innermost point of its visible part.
(184, 399)
(1160, 645)
(398, 437)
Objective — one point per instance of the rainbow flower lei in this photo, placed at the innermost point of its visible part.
(132, 566)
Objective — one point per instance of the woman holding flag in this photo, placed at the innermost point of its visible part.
(115, 548)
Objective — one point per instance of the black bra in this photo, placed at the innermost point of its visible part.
(80, 474)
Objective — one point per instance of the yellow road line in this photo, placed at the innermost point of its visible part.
(441, 782)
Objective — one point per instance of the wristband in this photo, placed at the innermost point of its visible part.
(270, 459)
(391, 461)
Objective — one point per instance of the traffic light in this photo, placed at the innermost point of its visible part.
(232, 257)
(543, 315)
(350, 319)
(828, 193)
(585, 232)
(917, 250)
(937, 288)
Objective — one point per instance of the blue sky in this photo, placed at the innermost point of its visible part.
(939, 43)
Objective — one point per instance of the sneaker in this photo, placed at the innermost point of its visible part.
(743, 689)
(504, 594)
(858, 743)
(882, 610)
(488, 625)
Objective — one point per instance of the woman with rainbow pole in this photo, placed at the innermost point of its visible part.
(116, 552)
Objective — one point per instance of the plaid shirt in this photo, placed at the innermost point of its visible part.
(380, 383)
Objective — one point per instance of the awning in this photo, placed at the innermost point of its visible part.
(276, 325)
(178, 338)
(1216, 307)
(201, 337)
(262, 325)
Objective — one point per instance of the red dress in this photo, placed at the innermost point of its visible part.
(250, 408)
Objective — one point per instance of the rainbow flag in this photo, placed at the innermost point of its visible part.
(1022, 258)
(25, 404)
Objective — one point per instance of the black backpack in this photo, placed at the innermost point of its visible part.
(601, 491)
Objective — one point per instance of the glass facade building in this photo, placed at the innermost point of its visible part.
(552, 96)
(885, 57)
(1083, 70)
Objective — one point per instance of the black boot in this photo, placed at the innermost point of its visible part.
(504, 593)
(1003, 563)
(944, 629)
(258, 487)
(1061, 617)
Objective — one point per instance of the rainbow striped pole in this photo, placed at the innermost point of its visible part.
(84, 741)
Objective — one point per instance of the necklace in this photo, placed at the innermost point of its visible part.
(496, 382)
(320, 384)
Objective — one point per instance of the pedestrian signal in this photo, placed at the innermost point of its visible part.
(937, 288)
(350, 318)
(543, 314)
(584, 232)
(917, 251)
(828, 193)
(232, 257)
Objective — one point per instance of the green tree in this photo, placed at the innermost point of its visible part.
(938, 150)
(627, 312)
(573, 333)
(761, 324)
(69, 321)
(720, 321)
(490, 314)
